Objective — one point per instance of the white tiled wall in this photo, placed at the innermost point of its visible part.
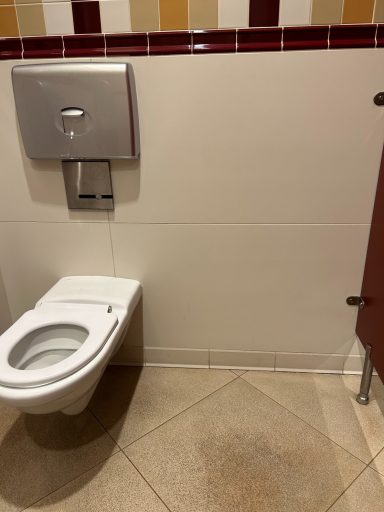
(246, 218)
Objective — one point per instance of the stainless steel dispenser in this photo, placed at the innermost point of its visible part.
(79, 112)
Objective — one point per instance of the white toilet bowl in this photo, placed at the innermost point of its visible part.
(52, 358)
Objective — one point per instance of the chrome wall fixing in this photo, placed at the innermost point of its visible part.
(365, 385)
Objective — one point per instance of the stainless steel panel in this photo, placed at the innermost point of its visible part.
(77, 110)
(88, 185)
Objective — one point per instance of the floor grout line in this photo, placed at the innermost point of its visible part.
(145, 480)
(346, 489)
(178, 414)
(73, 479)
(306, 422)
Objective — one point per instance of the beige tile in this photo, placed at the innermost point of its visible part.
(239, 372)
(238, 450)
(222, 287)
(28, 1)
(203, 14)
(326, 12)
(354, 364)
(366, 493)
(144, 398)
(233, 14)
(144, 15)
(193, 358)
(319, 363)
(8, 21)
(238, 176)
(114, 485)
(236, 359)
(5, 317)
(356, 11)
(35, 188)
(58, 18)
(378, 463)
(115, 16)
(173, 15)
(328, 403)
(33, 256)
(41, 453)
(379, 11)
(31, 20)
(294, 12)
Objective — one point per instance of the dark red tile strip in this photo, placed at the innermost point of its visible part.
(259, 39)
(352, 36)
(43, 47)
(86, 17)
(305, 38)
(10, 48)
(164, 43)
(380, 36)
(126, 44)
(264, 13)
(84, 46)
(214, 41)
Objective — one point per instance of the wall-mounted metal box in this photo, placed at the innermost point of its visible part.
(77, 111)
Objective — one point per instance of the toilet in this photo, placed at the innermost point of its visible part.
(53, 357)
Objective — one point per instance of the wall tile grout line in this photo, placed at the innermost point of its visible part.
(264, 224)
(308, 424)
(145, 480)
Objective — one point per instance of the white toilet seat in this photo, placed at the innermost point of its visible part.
(95, 319)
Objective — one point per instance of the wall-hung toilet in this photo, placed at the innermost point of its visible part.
(52, 358)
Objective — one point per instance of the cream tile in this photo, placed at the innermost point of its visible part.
(35, 188)
(236, 359)
(378, 463)
(238, 450)
(33, 256)
(239, 157)
(239, 372)
(233, 14)
(31, 20)
(114, 485)
(193, 358)
(319, 363)
(150, 397)
(366, 493)
(328, 403)
(115, 16)
(295, 12)
(224, 286)
(58, 18)
(41, 453)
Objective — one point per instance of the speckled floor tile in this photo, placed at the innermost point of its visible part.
(39, 454)
(328, 403)
(113, 486)
(237, 450)
(131, 401)
(366, 494)
(378, 463)
(239, 372)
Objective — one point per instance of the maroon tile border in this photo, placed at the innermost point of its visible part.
(264, 13)
(43, 47)
(352, 36)
(380, 35)
(213, 41)
(259, 39)
(165, 43)
(84, 46)
(86, 17)
(126, 44)
(10, 48)
(200, 41)
(306, 38)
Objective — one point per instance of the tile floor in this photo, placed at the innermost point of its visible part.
(170, 439)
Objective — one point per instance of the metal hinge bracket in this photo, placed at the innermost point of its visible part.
(356, 301)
